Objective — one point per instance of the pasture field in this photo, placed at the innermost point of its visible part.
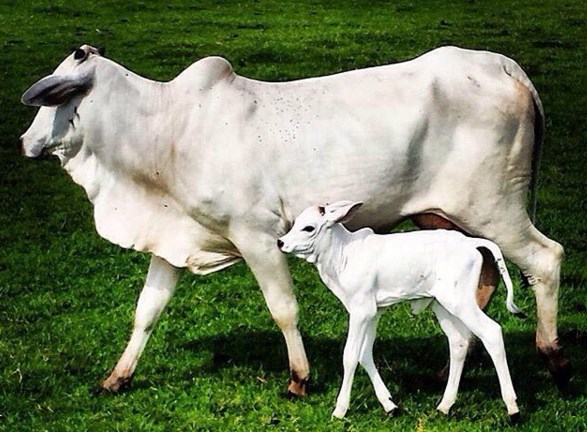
(216, 361)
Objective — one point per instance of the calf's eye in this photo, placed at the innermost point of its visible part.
(309, 228)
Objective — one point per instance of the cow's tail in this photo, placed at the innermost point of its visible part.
(503, 271)
(515, 71)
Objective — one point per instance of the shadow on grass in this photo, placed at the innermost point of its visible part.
(407, 365)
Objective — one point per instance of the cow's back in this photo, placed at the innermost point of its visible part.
(390, 136)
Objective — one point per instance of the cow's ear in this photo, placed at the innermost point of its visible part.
(55, 90)
(341, 211)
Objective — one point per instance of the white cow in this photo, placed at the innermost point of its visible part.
(211, 167)
(368, 272)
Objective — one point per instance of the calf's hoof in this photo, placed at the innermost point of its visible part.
(515, 418)
(339, 413)
(443, 409)
(394, 412)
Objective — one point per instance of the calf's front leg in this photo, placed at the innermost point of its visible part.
(368, 364)
(159, 287)
(359, 322)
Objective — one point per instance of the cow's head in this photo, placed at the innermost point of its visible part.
(56, 127)
(312, 226)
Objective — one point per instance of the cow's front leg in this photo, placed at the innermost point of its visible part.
(159, 287)
(269, 265)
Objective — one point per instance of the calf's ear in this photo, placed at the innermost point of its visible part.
(342, 211)
(55, 90)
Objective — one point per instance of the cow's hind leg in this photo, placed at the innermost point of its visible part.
(158, 290)
(269, 265)
(540, 259)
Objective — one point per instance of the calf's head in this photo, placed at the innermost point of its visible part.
(55, 129)
(312, 228)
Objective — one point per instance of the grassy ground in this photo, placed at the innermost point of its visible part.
(216, 360)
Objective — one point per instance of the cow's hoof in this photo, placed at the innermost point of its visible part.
(559, 367)
(562, 374)
(116, 384)
(297, 387)
(99, 390)
(515, 418)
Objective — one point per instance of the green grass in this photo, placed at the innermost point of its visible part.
(216, 360)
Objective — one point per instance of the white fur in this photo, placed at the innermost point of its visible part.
(211, 167)
(368, 272)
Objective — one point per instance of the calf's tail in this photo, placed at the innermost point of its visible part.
(503, 271)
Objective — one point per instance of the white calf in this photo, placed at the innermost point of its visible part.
(367, 272)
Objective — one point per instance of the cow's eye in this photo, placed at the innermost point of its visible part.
(309, 228)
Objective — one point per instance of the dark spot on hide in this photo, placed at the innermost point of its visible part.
(474, 81)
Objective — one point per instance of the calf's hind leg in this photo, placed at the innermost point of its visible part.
(459, 337)
(489, 272)
(490, 334)
(488, 280)
(462, 307)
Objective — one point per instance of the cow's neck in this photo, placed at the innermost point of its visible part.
(129, 128)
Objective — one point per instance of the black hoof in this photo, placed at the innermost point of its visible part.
(559, 367)
(515, 418)
(289, 395)
(562, 375)
(394, 413)
(99, 390)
